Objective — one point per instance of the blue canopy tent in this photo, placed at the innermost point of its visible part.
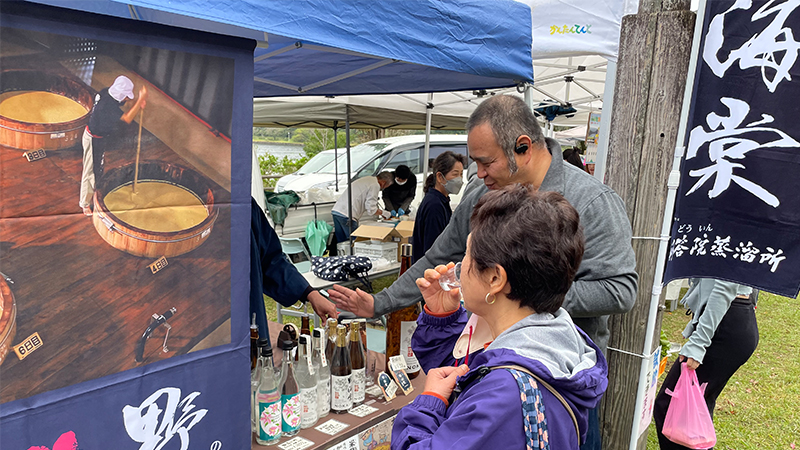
(357, 47)
(307, 48)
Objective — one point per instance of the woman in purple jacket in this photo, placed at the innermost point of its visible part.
(522, 254)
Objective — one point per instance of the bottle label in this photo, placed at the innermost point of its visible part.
(340, 393)
(290, 405)
(406, 332)
(269, 416)
(359, 380)
(324, 396)
(308, 401)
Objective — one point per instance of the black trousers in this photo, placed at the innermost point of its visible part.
(734, 341)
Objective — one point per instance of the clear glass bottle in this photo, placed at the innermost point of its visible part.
(268, 421)
(341, 370)
(290, 392)
(324, 370)
(307, 379)
(358, 363)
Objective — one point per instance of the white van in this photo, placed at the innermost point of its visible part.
(371, 158)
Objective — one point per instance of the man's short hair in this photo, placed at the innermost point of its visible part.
(386, 176)
(402, 172)
(509, 118)
(535, 236)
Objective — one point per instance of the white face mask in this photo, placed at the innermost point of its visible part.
(399, 183)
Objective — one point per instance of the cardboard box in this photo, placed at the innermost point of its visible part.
(406, 229)
(377, 232)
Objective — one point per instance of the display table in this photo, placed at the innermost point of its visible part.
(371, 432)
(318, 283)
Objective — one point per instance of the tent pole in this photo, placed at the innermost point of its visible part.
(605, 122)
(427, 152)
(349, 182)
(336, 152)
(529, 95)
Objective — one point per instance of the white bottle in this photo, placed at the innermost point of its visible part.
(324, 370)
(307, 379)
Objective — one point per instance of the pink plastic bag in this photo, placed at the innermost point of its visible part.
(688, 421)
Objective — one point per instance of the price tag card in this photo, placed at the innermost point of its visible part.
(388, 386)
(348, 444)
(159, 264)
(362, 410)
(297, 443)
(331, 427)
(374, 391)
(24, 348)
(398, 362)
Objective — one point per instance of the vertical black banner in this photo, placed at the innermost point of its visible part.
(737, 214)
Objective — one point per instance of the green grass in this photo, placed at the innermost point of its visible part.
(760, 406)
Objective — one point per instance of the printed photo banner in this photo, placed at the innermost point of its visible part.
(737, 211)
(125, 152)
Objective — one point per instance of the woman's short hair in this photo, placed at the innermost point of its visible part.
(573, 156)
(535, 236)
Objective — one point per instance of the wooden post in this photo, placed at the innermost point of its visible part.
(655, 47)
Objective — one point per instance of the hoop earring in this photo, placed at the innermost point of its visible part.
(486, 299)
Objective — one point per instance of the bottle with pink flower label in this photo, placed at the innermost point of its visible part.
(268, 419)
(290, 392)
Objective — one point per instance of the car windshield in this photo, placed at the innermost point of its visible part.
(316, 163)
(359, 155)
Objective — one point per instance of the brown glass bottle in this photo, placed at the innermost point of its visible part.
(358, 363)
(341, 371)
(305, 326)
(331, 343)
(400, 325)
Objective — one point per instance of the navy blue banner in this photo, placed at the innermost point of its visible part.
(116, 332)
(737, 212)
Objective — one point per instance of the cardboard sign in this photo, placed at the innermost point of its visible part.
(388, 386)
(35, 155)
(26, 347)
(402, 380)
(159, 264)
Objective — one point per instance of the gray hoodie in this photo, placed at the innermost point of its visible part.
(606, 280)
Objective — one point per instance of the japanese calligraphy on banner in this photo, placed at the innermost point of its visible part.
(737, 213)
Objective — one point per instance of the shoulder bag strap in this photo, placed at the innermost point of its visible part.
(552, 391)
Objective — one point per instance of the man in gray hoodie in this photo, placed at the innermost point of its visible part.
(506, 142)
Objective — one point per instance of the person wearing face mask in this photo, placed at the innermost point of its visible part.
(434, 212)
(400, 194)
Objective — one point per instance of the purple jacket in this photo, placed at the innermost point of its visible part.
(488, 413)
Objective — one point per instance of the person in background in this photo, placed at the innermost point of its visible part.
(522, 254)
(399, 195)
(572, 155)
(434, 212)
(365, 201)
(590, 168)
(104, 122)
(272, 273)
(722, 335)
(506, 141)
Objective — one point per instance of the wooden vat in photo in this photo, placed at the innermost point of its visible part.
(47, 136)
(8, 319)
(147, 243)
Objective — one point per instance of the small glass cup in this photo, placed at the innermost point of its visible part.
(451, 279)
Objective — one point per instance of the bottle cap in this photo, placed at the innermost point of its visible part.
(266, 351)
(317, 333)
(303, 340)
(262, 342)
(288, 345)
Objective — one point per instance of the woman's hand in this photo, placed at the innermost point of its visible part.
(691, 363)
(437, 299)
(442, 380)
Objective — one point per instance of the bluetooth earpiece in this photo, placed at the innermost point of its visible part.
(520, 149)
